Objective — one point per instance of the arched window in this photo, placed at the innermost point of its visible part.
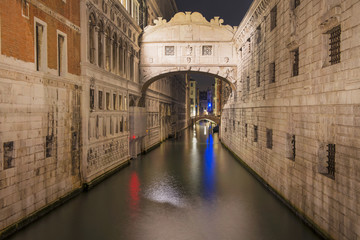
(108, 49)
(100, 44)
(114, 55)
(92, 48)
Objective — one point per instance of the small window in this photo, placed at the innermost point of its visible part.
(108, 106)
(255, 133)
(206, 50)
(248, 84)
(290, 146)
(92, 98)
(246, 127)
(9, 155)
(258, 34)
(169, 50)
(269, 138)
(100, 99)
(234, 125)
(335, 39)
(296, 3)
(114, 101)
(273, 18)
(272, 72)
(25, 9)
(331, 160)
(258, 78)
(295, 62)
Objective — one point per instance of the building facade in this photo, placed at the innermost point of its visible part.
(294, 117)
(193, 98)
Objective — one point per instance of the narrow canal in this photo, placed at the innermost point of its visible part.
(189, 188)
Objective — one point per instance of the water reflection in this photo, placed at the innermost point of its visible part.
(209, 168)
(134, 189)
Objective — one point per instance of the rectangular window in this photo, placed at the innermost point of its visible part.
(108, 106)
(331, 160)
(335, 39)
(246, 129)
(100, 99)
(25, 9)
(125, 103)
(269, 138)
(258, 78)
(169, 50)
(39, 46)
(248, 84)
(9, 155)
(255, 133)
(272, 72)
(206, 50)
(114, 101)
(290, 146)
(92, 99)
(273, 18)
(61, 53)
(295, 62)
(258, 34)
(234, 125)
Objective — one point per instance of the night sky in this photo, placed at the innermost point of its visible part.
(232, 11)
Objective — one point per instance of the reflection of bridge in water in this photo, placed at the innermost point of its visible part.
(213, 118)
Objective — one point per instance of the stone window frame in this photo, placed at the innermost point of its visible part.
(107, 100)
(258, 34)
(92, 99)
(256, 133)
(120, 102)
(335, 45)
(42, 63)
(327, 159)
(115, 101)
(63, 69)
(25, 9)
(290, 146)
(100, 99)
(246, 130)
(272, 72)
(92, 48)
(258, 78)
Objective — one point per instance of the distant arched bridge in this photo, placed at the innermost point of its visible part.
(215, 119)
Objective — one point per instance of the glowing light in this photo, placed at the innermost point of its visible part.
(134, 137)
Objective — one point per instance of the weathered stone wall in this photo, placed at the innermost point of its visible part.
(303, 112)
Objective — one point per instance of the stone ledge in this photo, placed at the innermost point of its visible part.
(316, 228)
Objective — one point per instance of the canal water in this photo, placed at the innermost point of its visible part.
(188, 188)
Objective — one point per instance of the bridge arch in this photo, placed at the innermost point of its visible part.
(188, 43)
(215, 119)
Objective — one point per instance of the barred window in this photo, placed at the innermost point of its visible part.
(273, 18)
(272, 72)
(258, 78)
(206, 50)
(9, 155)
(335, 39)
(246, 129)
(169, 50)
(269, 138)
(255, 133)
(331, 160)
(295, 62)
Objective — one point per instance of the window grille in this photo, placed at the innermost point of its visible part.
(49, 145)
(255, 133)
(269, 140)
(169, 50)
(295, 64)
(8, 155)
(331, 160)
(335, 39)
(272, 72)
(273, 16)
(258, 78)
(206, 50)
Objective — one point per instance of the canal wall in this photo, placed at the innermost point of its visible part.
(294, 119)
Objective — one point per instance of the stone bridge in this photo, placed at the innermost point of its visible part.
(188, 43)
(215, 119)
